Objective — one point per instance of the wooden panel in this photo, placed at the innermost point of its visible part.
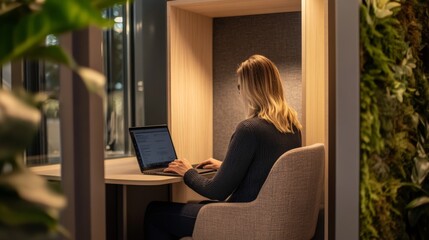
(190, 84)
(315, 81)
(314, 72)
(227, 8)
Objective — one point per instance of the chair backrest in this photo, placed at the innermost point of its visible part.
(286, 207)
(292, 193)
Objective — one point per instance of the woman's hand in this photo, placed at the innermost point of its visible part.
(210, 163)
(179, 166)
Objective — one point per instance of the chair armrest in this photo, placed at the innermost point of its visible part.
(226, 221)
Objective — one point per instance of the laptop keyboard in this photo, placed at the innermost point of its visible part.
(159, 171)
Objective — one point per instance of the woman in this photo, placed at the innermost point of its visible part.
(271, 129)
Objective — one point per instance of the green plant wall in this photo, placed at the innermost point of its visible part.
(394, 97)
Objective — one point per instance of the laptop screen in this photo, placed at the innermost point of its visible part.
(153, 146)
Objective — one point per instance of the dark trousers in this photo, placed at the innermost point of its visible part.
(168, 220)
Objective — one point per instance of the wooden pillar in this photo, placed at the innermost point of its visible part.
(82, 150)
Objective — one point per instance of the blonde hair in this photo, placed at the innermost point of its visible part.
(261, 86)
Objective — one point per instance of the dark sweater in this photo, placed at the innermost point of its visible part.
(254, 147)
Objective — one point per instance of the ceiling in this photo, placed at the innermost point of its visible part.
(228, 8)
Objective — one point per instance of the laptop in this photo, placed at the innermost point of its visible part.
(155, 150)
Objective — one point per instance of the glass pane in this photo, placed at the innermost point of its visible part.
(44, 77)
(115, 57)
(6, 76)
(52, 84)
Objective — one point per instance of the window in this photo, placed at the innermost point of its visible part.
(44, 76)
(136, 96)
(6, 76)
(115, 47)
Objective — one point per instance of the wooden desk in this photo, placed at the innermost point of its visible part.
(123, 171)
(128, 192)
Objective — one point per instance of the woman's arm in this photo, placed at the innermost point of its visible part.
(210, 163)
(233, 169)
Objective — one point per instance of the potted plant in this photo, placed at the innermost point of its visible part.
(29, 208)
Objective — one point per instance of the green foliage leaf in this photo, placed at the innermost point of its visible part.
(27, 205)
(4, 8)
(418, 202)
(415, 215)
(15, 212)
(28, 31)
(32, 188)
(93, 80)
(18, 123)
(28, 208)
(420, 170)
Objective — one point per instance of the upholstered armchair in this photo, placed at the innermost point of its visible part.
(286, 208)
